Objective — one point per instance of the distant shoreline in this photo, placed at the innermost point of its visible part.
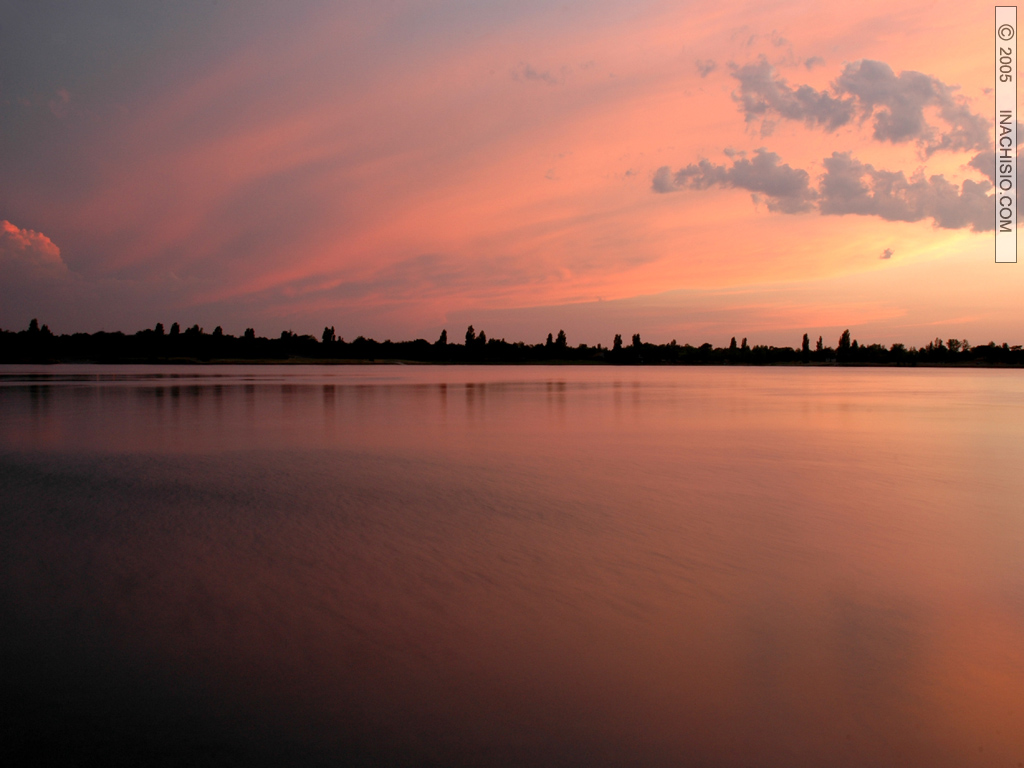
(193, 346)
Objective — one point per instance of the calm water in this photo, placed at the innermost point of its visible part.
(384, 565)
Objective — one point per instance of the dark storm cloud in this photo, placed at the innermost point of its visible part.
(786, 189)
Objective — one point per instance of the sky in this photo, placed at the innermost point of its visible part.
(683, 170)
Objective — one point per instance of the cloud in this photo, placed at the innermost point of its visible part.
(786, 189)
(706, 67)
(868, 90)
(36, 282)
(763, 92)
(985, 161)
(33, 277)
(814, 61)
(887, 253)
(850, 186)
(28, 251)
(663, 181)
(865, 90)
(897, 103)
(527, 72)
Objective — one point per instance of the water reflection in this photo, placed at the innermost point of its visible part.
(515, 567)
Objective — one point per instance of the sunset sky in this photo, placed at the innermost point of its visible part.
(682, 170)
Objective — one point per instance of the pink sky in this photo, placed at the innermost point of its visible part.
(393, 169)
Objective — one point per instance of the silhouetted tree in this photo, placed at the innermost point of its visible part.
(805, 347)
(218, 332)
(561, 341)
(743, 346)
(732, 344)
(818, 347)
(159, 329)
(844, 341)
(481, 340)
(35, 331)
(636, 340)
(328, 337)
(617, 343)
(442, 341)
(175, 329)
(250, 334)
(550, 341)
(470, 336)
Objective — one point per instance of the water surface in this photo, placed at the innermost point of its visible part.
(564, 566)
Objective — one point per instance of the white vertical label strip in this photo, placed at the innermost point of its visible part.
(1006, 133)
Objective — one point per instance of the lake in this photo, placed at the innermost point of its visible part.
(505, 566)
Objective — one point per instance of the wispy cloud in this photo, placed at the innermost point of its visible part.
(706, 66)
(527, 72)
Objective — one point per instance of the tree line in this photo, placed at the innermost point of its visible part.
(37, 344)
